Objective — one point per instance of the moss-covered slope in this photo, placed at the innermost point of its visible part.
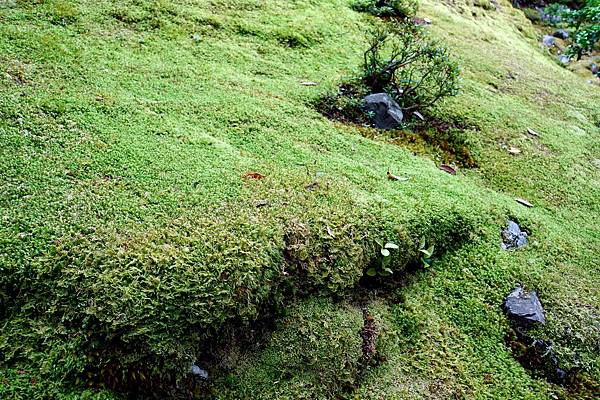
(133, 234)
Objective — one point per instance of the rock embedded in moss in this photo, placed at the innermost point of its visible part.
(513, 236)
(524, 308)
(386, 113)
(549, 40)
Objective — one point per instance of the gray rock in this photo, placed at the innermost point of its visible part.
(199, 372)
(524, 308)
(561, 34)
(564, 59)
(550, 18)
(386, 113)
(595, 69)
(549, 40)
(513, 236)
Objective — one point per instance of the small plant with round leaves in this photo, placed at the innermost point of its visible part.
(426, 253)
(382, 264)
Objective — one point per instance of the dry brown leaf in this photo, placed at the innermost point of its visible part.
(312, 186)
(262, 203)
(253, 175)
(448, 168)
(524, 202)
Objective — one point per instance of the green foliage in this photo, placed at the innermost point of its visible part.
(129, 237)
(314, 353)
(414, 69)
(403, 9)
(533, 15)
(585, 23)
(426, 253)
(382, 265)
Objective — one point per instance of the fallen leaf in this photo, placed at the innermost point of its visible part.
(393, 177)
(532, 132)
(308, 83)
(514, 150)
(524, 202)
(330, 232)
(262, 203)
(419, 115)
(253, 175)
(447, 168)
(312, 186)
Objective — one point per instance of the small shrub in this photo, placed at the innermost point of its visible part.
(426, 253)
(382, 265)
(585, 23)
(403, 9)
(415, 70)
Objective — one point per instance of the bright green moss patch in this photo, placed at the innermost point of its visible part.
(315, 353)
(131, 234)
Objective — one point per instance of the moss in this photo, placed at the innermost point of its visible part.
(129, 235)
(315, 353)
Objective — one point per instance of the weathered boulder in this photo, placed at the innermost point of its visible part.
(564, 59)
(385, 112)
(549, 40)
(561, 34)
(524, 308)
(513, 237)
(199, 372)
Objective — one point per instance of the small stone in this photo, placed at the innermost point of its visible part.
(561, 34)
(199, 372)
(524, 308)
(513, 236)
(549, 40)
(595, 69)
(564, 59)
(514, 151)
(386, 113)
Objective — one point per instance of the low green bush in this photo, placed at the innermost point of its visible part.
(414, 69)
(403, 61)
(403, 9)
(585, 23)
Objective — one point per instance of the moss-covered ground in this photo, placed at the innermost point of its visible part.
(166, 180)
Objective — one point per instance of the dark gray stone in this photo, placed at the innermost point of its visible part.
(561, 34)
(524, 308)
(386, 113)
(513, 236)
(199, 372)
(549, 40)
(595, 69)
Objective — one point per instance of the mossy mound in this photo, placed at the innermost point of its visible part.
(165, 178)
